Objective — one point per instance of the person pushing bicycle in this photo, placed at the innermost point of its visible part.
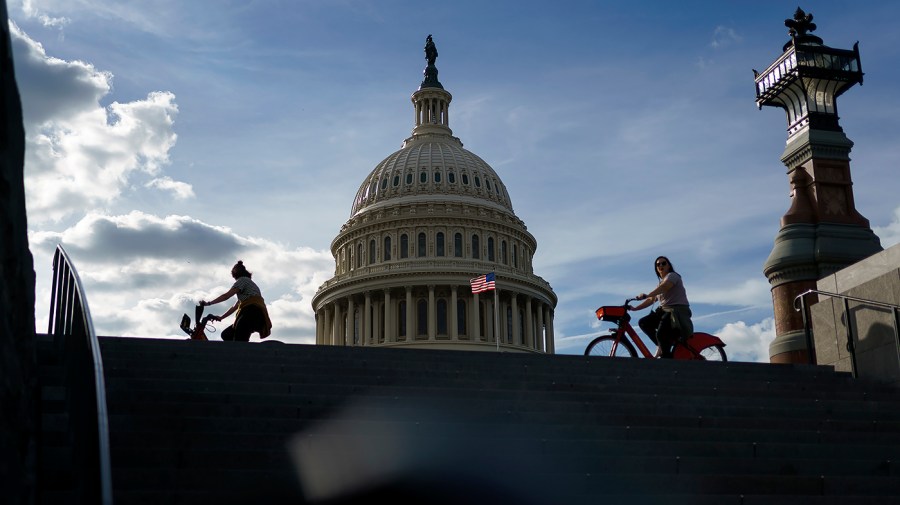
(672, 319)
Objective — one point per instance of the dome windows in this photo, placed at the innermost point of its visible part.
(421, 248)
(439, 244)
(433, 243)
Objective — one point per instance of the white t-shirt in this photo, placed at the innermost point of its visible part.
(676, 294)
(246, 288)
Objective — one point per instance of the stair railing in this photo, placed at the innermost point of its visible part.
(74, 336)
(851, 335)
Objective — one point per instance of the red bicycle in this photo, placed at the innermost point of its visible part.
(701, 346)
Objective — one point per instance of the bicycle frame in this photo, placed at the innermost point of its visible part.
(198, 332)
(625, 328)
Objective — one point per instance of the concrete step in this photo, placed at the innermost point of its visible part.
(674, 400)
(244, 352)
(591, 380)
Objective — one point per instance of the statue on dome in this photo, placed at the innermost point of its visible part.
(431, 71)
(431, 53)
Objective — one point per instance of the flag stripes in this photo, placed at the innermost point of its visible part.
(483, 283)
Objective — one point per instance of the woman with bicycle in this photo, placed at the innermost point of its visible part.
(672, 319)
(252, 315)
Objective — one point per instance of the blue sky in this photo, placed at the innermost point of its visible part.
(166, 139)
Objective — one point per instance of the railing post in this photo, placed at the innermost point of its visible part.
(897, 333)
(810, 348)
(851, 345)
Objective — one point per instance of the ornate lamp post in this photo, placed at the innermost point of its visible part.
(821, 232)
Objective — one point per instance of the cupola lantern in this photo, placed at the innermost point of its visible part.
(807, 79)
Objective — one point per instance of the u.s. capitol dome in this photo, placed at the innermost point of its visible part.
(427, 220)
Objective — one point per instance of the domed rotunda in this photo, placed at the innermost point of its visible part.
(425, 222)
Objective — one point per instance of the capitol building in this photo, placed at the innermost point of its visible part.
(427, 220)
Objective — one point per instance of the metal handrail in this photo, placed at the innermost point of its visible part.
(851, 343)
(73, 330)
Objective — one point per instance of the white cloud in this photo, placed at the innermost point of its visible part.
(53, 88)
(180, 190)
(748, 343)
(100, 238)
(724, 36)
(890, 234)
(80, 154)
(31, 11)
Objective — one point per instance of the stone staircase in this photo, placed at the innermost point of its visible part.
(56, 440)
(227, 422)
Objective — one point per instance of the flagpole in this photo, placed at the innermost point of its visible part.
(496, 314)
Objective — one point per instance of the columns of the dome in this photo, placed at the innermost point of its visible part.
(340, 324)
(529, 324)
(517, 335)
(432, 314)
(502, 331)
(319, 329)
(321, 319)
(475, 320)
(350, 328)
(540, 328)
(496, 330)
(366, 337)
(327, 331)
(551, 344)
(377, 323)
(454, 315)
(489, 330)
(323, 323)
(335, 327)
(432, 109)
(389, 332)
(409, 314)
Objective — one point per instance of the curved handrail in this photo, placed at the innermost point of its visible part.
(70, 317)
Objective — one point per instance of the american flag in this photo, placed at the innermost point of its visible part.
(482, 283)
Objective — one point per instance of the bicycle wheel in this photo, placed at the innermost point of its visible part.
(602, 346)
(714, 353)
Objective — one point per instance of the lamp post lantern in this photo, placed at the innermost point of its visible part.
(822, 232)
